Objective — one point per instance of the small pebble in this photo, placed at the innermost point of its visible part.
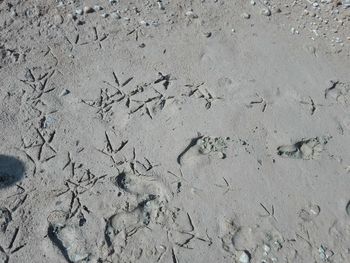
(244, 257)
(246, 15)
(207, 34)
(88, 9)
(64, 92)
(160, 5)
(265, 12)
(98, 7)
(104, 15)
(116, 15)
(79, 12)
(315, 210)
(191, 14)
(58, 19)
(144, 23)
(267, 248)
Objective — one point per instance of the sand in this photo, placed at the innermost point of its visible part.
(174, 131)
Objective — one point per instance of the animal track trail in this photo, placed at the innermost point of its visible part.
(152, 198)
(68, 237)
(143, 186)
(203, 146)
(306, 149)
(338, 91)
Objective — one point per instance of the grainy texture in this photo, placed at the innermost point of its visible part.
(174, 131)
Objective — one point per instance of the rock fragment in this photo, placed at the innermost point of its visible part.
(265, 12)
(244, 257)
(245, 15)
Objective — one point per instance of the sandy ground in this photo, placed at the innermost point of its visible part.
(174, 131)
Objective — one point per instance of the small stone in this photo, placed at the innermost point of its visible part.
(252, 2)
(88, 9)
(116, 15)
(105, 15)
(64, 92)
(267, 248)
(142, 45)
(315, 210)
(160, 5)
(246, 15)
(79, 12)
(58, 19)
(98, 7)
(144, 23)
(207, 34)
(244, 257)
(325, 253)
(70, 17)
(191, 14)
(265, 12)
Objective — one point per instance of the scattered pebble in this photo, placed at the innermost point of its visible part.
(325, 253)
(160, 5)
(207, 34)
(191, 14)
(267, 248)
(265, 11)
(294, 31)
(244, 257)
(144, 23)
(98, 7)
(58, 19)
(315, 210)
(79, 12)
(88, 9)
(115, 15)
(64, 92)
(246, 15)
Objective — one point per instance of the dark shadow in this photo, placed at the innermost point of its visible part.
(11, 170)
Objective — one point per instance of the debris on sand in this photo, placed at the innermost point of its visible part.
(68, 237)
(244, 257)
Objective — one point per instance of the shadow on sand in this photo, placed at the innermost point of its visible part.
(11, 170)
